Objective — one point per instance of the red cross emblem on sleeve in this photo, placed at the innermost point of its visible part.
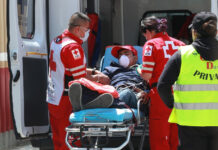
(76, 54)
(148, 50)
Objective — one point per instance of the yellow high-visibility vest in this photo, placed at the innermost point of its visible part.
(195, 91)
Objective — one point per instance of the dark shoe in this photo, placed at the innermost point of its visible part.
(88, 95)
(102, 101)
(75, 95)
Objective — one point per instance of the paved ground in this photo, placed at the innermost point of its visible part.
(22, 145)
(26, 145)
(9, 142)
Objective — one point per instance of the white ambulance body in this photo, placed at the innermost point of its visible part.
(28, 26)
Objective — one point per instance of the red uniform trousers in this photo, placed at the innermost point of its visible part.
(59, 120)
(163, 135)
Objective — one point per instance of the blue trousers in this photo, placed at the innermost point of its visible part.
(129, 97)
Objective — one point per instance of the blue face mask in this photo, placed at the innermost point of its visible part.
(86, 36)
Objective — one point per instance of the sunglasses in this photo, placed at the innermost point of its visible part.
(143, 29)
(86, 29)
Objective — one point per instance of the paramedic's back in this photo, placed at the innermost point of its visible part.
(156, 52)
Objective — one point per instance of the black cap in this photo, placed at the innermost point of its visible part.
(200, 18)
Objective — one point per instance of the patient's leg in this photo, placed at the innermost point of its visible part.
(129, 97)
(82, 97)
(92, 99)
(102, 101)
(75, 96)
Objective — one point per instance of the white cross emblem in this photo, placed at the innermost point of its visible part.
(165, 48)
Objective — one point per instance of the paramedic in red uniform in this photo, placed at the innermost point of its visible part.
(156, 52)
(67, 62)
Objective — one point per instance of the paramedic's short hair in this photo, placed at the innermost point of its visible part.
(153, 23)
(77, 19)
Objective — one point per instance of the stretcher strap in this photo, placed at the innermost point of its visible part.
(133, 115)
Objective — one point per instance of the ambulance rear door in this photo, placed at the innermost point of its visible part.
(28, 63)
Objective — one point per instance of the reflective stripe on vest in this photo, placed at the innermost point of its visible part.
(196, 87)
(196, 106)
(195, 91)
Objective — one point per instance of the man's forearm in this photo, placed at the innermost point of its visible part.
(168, 78)
(89, 74)
(97, 76)
(166, 95)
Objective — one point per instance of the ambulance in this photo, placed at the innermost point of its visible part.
(28, 26)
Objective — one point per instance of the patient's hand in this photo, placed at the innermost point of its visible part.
(102, 78)
(143, 95)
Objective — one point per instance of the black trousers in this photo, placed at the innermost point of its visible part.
(198, 138)
(89, 95)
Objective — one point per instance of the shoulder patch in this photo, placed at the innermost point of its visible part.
(76, 54)
(148, 50)
(58, 40)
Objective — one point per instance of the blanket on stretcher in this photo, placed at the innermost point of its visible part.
(102, 115)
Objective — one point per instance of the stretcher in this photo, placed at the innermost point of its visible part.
(106, 128)
(95, 127)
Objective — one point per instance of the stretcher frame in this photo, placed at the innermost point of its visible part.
(107, 129)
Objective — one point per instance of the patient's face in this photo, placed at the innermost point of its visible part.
(129, 54)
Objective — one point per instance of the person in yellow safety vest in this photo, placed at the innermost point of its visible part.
(193, 72)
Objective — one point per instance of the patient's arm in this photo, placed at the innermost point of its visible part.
(102, 78)
(97, 76)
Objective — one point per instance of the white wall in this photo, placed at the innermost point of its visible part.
(60, 12)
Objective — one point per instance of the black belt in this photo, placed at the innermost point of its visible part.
(67, 79)
(123, 86)
(65, 93)
(153, 85)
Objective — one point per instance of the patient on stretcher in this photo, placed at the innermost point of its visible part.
(127, 87)
(96, 127)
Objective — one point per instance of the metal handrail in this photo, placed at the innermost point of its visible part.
(36, 53)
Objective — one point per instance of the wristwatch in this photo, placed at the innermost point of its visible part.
(93, 71)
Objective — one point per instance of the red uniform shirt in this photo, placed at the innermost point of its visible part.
(67, 62)
(73, 57)
(156, 53)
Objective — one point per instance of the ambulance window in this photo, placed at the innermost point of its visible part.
(26, 18)
(178, 21)
(175, 20)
